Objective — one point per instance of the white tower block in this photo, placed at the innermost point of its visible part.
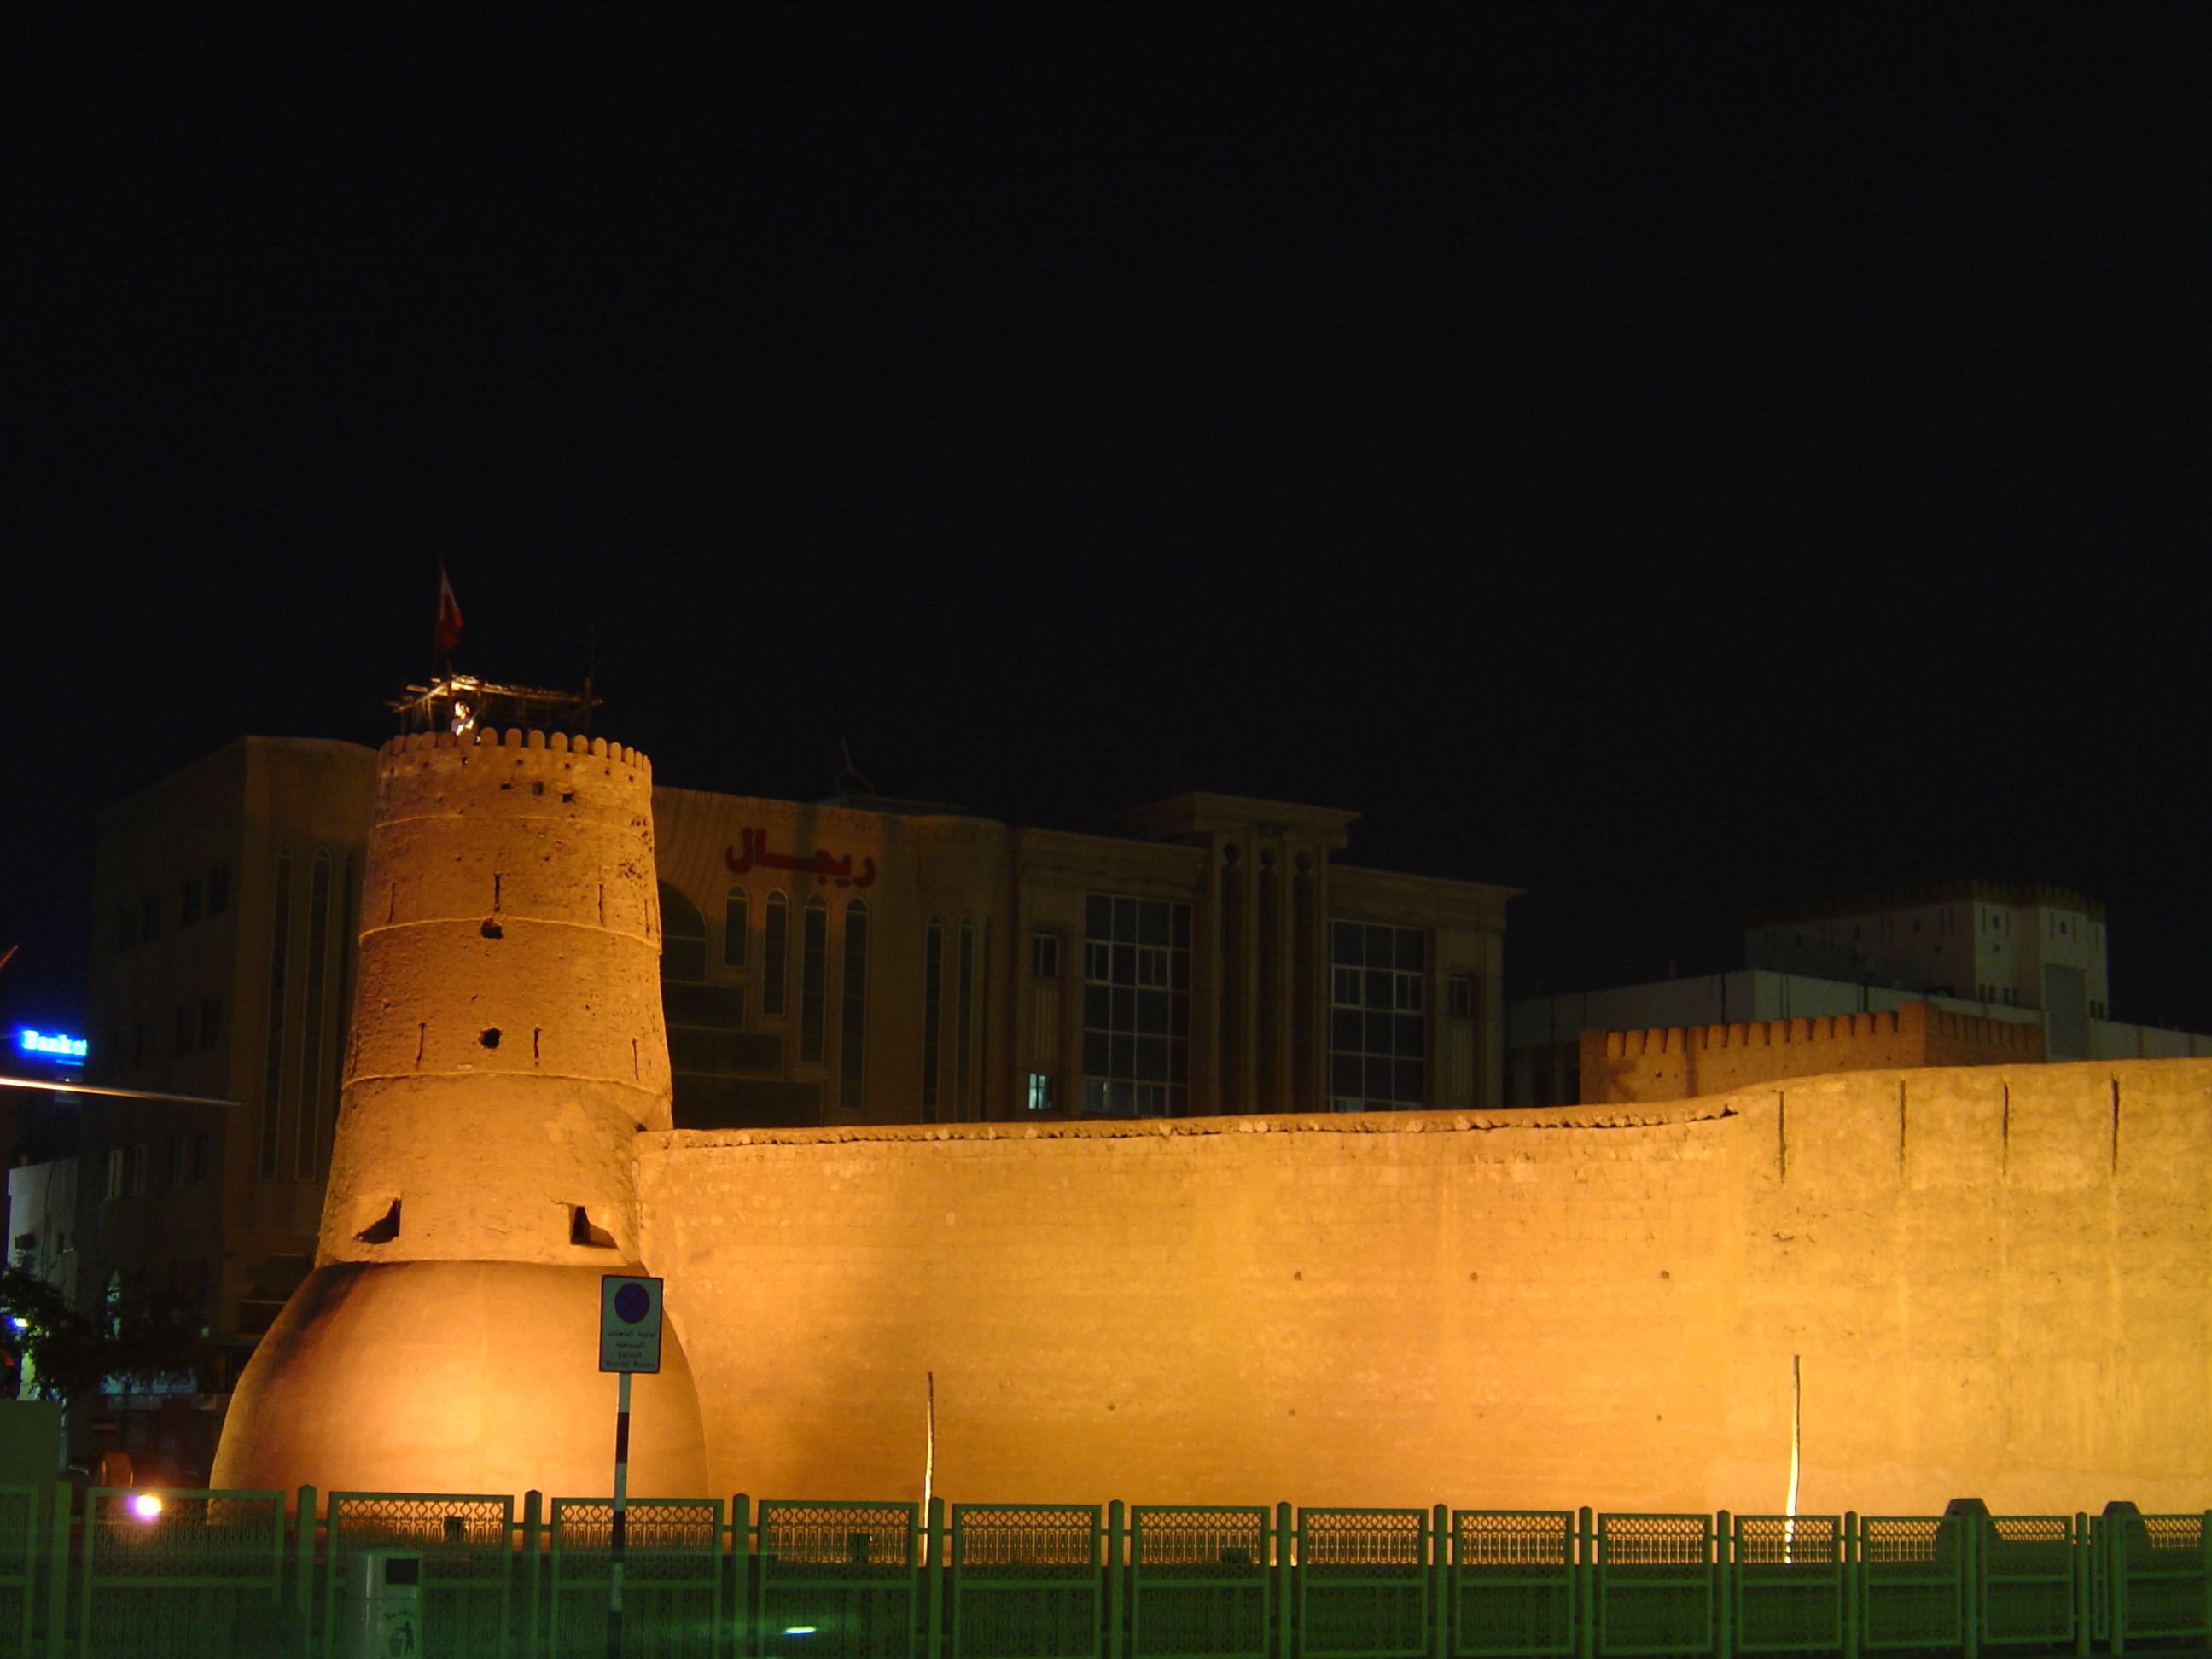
(507, 1049)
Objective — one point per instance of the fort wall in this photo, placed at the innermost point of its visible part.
(1993, 1281)
(1680, 1062)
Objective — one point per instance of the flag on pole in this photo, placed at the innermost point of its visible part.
(449, 615)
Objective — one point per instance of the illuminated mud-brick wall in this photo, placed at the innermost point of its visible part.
(1680, 1062)
(1993, 1282)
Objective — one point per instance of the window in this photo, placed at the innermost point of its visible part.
(853, 1016)
(774, 937)
(197, 1154)
(1459, 996)
(736, 917)
(1040, 1092)
(813, 977)
(177, 1160)
(1045, 954)
(272, 1074)
(114, 1187)
(188, 901)
(932, 1017)
(683, 936)
(149, 915)
(1378, 1040)
(963, 1030)
(218, 889)
(140, 1158)
(186, 1028)
(307, 1135)
(1136, 1006)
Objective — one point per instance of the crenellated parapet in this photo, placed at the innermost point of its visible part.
(1675, 1062)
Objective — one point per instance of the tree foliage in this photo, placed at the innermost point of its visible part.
(146, 1334)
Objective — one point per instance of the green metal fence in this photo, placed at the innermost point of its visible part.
(202, 1577)
(1200, 1584)
(838, 1581)
(1513, 1579)
(21, 1538)
(1028, 1581)
(231, 1574)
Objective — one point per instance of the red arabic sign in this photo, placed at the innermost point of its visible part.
(825, 868)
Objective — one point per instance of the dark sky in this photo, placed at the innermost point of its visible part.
(1665, 458)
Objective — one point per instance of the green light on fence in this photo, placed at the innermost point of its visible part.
(798, 1630)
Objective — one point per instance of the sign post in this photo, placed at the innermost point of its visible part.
(630, 1341)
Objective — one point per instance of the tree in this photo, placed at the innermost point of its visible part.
(146, 1334)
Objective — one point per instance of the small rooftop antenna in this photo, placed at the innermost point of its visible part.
(851, 771)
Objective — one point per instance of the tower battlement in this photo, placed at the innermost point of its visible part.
(1675, 1062)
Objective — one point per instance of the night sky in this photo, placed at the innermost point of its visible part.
(1667, 460)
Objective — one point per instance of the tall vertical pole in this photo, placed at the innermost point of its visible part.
(615, 1532)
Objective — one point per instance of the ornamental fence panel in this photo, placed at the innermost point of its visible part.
(201, 1576)
(1512, 1593)
(673, 1572)
(1361, 1584)
(1912, 1585)
(1028, 1581)
(1198, 1582)
(2025, 1579)
(1655, 1584)
(467, 1540)
(1786, 1583)
(2156, 1576)
(838, 1581)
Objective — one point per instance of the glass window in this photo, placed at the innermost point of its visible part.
(1378, 1040)
(114, 1187)
(139, 1162)
(306, 1140)
(735, 914)
(1045, 954)
(964, 1031)
(1459, 991)
(774, 935)
(853, 1016)
(683, 936)
(813, 978)
(1136, 1007)
(932, 1017)
(272, 1070)
(1040, 1092)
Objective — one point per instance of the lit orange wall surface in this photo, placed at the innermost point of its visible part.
(1997, 1281)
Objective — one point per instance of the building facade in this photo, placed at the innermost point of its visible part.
(859, 961)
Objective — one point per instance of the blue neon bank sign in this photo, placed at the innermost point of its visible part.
(52, 1046)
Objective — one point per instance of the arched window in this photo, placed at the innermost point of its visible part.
(853, 1016)
(735, 918)
(775, 936)
(932, 1017)
(683, 936)
(813, 978)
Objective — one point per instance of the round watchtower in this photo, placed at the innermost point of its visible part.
(507, 1049)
